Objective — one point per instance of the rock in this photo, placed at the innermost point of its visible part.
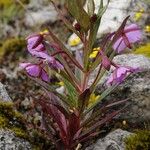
(133, 60)
(39, 13)
(111, 21)
(113, 141)
(3, 93)
(8, 141)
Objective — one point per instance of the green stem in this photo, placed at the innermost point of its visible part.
(99, 74)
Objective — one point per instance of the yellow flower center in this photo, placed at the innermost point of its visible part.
(44, 32)
(94, 53)
(74, 42)
(138, 15)
(61, 83)
(93, 99)
(147, 28)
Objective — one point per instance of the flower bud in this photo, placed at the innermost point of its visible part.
(106, 63)
(94, 18)
(77, 26)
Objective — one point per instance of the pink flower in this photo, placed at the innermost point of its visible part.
(130, 35)
(35, 70)
(35, 44)
(34, 40)
(119, 74)
(36, 48)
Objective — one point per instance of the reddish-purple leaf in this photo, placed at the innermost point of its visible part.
(74, 124)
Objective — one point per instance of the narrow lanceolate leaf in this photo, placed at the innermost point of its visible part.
(74, 124)
(58, 118)
(53, 100)
(90, 7)
(83, 99)
(75, 8)
(71, 93)
(49, 88)
(78, 72)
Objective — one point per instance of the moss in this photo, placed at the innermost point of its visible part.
(7, 3)
(9, 116)
(138, 141)
(13, 120)
(145, 50)
(12, 45)
(3, 122)
(20, 132)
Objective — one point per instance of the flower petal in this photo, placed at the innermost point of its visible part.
(33, 70)
(34, 40)
(44, 76)
(119, 74)
(131, 35)
(24, 65)
(119, 45)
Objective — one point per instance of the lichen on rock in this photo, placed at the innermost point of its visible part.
(8, 141)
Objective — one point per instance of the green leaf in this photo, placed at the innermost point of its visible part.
(91, 7)
(75, 7)
(94, 30)
(71, 93)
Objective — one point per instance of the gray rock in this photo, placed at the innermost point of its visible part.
(8, 141)
(3, 93)
(133, 61)
(113, 141)
(38, 13)
(111, 21)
